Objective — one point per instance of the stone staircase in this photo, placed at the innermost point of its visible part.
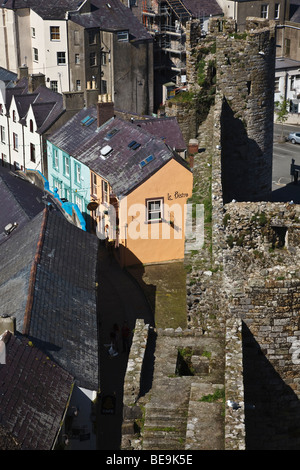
(166, 415)
(175, 417)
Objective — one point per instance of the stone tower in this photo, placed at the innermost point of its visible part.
(245, 78)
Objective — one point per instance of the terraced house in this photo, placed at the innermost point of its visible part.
(131, 186)
(92, 44)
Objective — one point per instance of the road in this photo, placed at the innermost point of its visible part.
(283, 186)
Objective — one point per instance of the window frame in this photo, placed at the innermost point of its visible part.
(3, 134)
(123, 36)
(77, 174)
(94, 55)
(264, 11)
(32, 153)
(67, 166)
(59, 58)
(15, 141)
(151, 211)
(55, 159)
(35, 54)
(54, 33)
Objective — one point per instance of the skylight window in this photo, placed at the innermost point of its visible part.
(134, 145)
(111, 133)
(89, 122)
(146, 161)
(85, 119)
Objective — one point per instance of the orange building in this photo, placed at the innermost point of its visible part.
(139, 191)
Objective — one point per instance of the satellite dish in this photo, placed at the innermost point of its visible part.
(92, 206)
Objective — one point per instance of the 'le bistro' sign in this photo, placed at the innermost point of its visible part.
(176, 195)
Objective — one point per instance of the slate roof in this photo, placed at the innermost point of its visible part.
(21, 201)
(283, 63)
(52, 9)
(121, 167)
(8, 77)
(47, 105)
(203, 7)
(34, 393)
(166, 128)
(114, 17)
(47, 281)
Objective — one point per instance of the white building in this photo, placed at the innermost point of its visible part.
(26, 114)
(34, 33)
(287, 86)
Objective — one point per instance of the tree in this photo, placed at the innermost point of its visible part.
(282, 111)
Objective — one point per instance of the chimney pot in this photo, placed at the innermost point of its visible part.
(7, 323)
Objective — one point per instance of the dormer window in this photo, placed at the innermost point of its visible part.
(122, 36)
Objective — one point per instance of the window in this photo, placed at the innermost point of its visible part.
(92, 37)
(61, 58)
(15, 141)
(93, 59)
(14, 116)
(94, 184)
(276, 87)
(57, 185)
(33, 32)
(77, 59)
(78, 201)
(67, 194)
(77, 173)
(35, 54)
(67, 166)
(264, 11)
(31, 125)
(54, 33)
(287, 47)
(54, 85)
(32, 153)
(1, 109)
(76, 38)
(277, 11)
(122, 36)
(78, 85)
(154, 210)
(103, 58)
(104, 87)
(55, 159)
(104, 191)
(2, 130)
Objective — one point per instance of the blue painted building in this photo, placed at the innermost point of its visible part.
(69, 178)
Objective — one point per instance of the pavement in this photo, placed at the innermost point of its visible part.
(120, 299)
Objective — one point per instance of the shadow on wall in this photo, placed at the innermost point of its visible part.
(274, 423)
(246, 171)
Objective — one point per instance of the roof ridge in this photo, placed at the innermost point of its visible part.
(28, 309)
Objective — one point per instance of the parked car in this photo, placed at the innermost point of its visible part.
(294, 137)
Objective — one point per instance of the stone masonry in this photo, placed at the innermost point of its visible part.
(243, 285)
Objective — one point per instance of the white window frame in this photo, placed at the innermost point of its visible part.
(16, 141)
(35, 54)
(54, 31)
(77, 173)
(55, 159)
(151, 211)
(277, 11)
(61, 58)
(2, 131)
(123, 36)
(264, 11)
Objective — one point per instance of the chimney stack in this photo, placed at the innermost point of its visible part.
(105, 109)
(35, 80)
(7, 323)
(23, 72)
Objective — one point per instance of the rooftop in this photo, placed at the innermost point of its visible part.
(34, 393)
(119, 151)
(47, 281)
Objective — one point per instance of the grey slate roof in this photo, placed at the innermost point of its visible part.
(283, 63)
(20, 201)
(34, 394)
(47, 105)
(166, 128)
(62, 318)
(112, 16)
(8, 77)
(203, 7)
(121, 167)
(52, 9)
